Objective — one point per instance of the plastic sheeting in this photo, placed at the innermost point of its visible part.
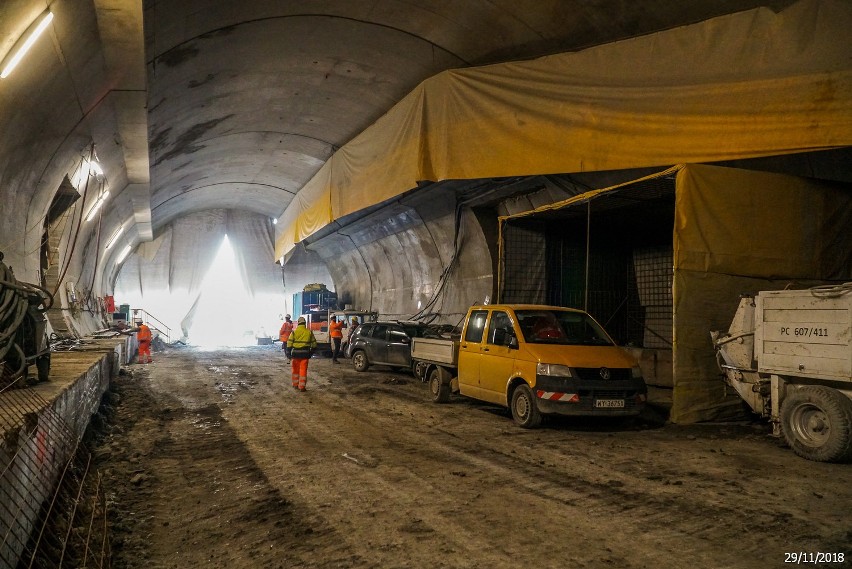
(750, 84)
(737, 232)
(165, 276)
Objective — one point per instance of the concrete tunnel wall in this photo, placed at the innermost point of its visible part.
(391, 262)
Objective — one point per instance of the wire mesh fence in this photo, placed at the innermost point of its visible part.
(612, 257)
(52, 504)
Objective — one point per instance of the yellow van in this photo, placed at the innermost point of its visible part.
(536, 360)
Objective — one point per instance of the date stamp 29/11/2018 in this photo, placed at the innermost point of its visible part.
(813, 557)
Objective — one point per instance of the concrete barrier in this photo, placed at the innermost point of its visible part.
(42, 427)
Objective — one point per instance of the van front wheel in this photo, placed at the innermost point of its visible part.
(524, 408)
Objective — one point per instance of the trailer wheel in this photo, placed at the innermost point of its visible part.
(359, 361)
(439, 388)
(817, 423)
(524, 408)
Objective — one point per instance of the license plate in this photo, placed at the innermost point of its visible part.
(609, 403)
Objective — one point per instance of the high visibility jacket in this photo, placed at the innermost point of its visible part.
(286, 330)
(143, 334)
(302, 338)
(335, 329)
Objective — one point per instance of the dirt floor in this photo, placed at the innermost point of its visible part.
(213, 460)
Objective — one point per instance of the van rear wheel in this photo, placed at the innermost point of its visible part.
(524, 408)
(440, 390)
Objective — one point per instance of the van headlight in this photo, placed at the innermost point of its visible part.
(636, 372)
(553, 370)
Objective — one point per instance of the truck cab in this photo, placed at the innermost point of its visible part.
(538, 359)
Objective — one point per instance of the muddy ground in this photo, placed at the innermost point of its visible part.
(213, 460)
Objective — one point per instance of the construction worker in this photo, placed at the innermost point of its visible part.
(284, 335)
(143, 336)
(335, 332)
(302, 344)
(352, 326)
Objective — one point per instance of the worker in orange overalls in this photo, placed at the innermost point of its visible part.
(302, 344)
(335, 332)
(143, 336)
(284, 335)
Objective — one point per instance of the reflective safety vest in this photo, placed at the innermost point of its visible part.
(286, 330)
(335, 329)
(302, 338)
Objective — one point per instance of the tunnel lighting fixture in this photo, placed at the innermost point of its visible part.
(115, 236)
(274, 221)
(101, 199)
(24, 45)
(122, 255)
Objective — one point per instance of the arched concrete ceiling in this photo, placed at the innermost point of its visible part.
(250, 98)
(237, 103)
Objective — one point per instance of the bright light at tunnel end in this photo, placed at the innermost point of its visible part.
(227, 314)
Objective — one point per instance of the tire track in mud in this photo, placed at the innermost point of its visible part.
(450, 486)
(670, 509)
(669, 515)
(371, 488)
(202, 499)
(429, 500)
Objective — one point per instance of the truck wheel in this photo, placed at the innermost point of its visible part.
(359, 361)
(817, 423)
(440, 390)
(524, 408)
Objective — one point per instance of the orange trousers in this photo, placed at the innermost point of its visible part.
(299, 372)
(144, 350)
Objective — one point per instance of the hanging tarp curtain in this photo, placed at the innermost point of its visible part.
(165, 276)
(755, 83)
(737, 232)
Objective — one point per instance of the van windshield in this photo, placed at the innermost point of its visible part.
(561, 327)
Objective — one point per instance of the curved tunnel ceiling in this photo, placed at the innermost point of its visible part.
(248, 99)
(205, 104)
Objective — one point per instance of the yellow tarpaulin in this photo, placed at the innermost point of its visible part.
(735, 232)
(750, 84)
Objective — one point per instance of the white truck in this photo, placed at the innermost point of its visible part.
(788, 354)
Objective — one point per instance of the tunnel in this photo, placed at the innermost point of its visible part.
(212, 170)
